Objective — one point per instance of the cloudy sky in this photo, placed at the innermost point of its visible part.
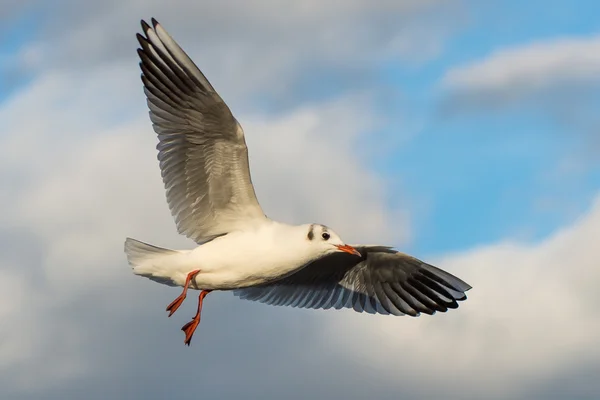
(463, 132)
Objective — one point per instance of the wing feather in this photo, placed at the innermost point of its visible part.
(382, 281)
(202, 152)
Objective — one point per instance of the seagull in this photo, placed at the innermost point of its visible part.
(204, 165)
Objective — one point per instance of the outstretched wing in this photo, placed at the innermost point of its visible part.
(383, 281)
(202, 151)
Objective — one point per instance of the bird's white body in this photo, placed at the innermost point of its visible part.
(238, 259)
(205, 169)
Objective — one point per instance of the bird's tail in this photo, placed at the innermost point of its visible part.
(137, 252)
(143, 258)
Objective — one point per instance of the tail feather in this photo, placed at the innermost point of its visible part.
(137, 252)
(139, 255)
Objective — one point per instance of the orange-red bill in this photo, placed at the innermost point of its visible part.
(348, 249)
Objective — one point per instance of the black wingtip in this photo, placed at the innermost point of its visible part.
(142, 75)
(154, 22)
(141, 39)
(145, 26)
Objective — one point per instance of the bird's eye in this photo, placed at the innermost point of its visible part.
(325, 235)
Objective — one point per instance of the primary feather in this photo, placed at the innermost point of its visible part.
(202, 151)
(383, 281)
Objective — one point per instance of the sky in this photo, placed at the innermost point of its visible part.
(464, 133)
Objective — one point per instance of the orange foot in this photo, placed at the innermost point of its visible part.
(189, 330)
(191, 326)
(179, 300)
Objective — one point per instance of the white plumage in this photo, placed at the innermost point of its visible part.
(239, 259)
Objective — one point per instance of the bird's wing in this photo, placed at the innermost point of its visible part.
(382, 281)
(202, 151)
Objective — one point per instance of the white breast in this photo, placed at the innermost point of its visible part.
(248, 258)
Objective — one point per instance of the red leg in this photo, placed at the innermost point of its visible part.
(191, 326)
(179, 300)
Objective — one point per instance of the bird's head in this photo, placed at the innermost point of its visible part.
(327, 240)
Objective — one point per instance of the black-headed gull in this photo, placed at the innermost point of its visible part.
(204, 163)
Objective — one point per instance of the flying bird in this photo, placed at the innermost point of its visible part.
(205, 171)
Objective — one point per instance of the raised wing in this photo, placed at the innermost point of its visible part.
(383, 281)
(202, 151)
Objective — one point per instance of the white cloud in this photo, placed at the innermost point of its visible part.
(531, 316)
(529, 67)
(553, 79)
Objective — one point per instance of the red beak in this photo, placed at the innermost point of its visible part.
(348, 249)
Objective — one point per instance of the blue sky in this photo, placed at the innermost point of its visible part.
(485, 172)
(14, 34)
(476, 121)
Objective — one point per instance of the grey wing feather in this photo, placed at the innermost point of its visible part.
(202, 151)
(382, 281)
